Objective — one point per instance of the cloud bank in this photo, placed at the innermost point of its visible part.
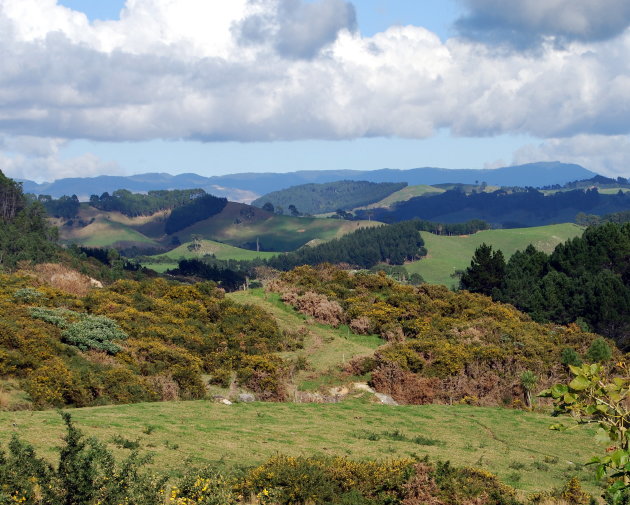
(264, 70)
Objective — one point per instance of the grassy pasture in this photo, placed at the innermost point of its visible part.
(238, 225)
(221, 251)
(241, 225)
(448, 254)
(514, 444)
(104, 232)
(405, 194)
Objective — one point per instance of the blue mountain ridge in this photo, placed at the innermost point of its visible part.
(246, 186)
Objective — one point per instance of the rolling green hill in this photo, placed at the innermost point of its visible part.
(242, 225)
(405, 194)
(238, 225)
(448, 254)
(186, 251)
(328, 197)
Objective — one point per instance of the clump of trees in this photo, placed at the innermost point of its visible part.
(25, 234)
(584, 280)
(137, 204)
(198, 209)
(364, 248)
(65, 207)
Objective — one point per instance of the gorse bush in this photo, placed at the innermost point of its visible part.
(442, 346)
(87, 473)
(135, 341)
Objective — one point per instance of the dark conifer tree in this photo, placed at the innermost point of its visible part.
(486, 271)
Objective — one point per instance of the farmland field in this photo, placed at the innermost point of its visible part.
(448, 254)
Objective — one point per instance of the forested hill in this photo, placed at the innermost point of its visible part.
(509, 209)
(328, 197)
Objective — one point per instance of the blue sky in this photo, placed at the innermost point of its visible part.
(218, 87)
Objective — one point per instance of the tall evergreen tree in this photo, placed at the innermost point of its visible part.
(486, 271)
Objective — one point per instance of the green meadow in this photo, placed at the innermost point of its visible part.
(516, 445)
(447, 254)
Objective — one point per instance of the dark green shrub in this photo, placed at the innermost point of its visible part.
(570, 357)
(599, 351)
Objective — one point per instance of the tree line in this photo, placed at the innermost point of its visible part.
(196, 210)
(585, 280)
(25, 234)
(136, 204)
(533, 206)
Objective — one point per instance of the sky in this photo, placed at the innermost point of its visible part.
(90, 87)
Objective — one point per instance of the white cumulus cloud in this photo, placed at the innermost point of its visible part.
(265, 70)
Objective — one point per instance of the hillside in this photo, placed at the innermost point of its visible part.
(505, 208)
(238, 225)
(323, 198)
(403, 195)
(198, 249)
(448, 254)
(244, 226)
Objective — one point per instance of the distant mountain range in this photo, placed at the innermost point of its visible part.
(246, 187)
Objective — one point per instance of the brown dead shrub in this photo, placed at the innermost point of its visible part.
(63, 278)
(360, 366)
(361, 325)
(165, 386)
(404, 386)
(422, 488)
(393, 333)
(320, 307)
(100, 358)
(289, 297)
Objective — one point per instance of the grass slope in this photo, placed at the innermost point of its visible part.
(240, 225)
(404, 195)
(325, 348)
(448, 254)
(95, 228)
(221, 251)
(105, 232)
(516, 445)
